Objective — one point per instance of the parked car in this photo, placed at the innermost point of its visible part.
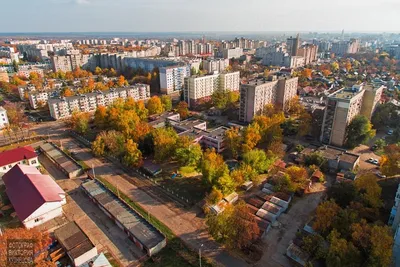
(375, 161)
(390, 132)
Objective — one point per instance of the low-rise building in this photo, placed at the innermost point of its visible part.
(61, 108)
(36, 198)
(3, 118)
(79, 248)
(38, 99)
(22, 155)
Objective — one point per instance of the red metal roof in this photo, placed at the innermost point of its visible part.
(16, 155)
(28, 189)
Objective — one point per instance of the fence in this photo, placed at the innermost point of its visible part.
(172, 194)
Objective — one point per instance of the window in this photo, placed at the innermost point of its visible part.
(37, 219)
(10, 166)
(4, 168)
(33, 162)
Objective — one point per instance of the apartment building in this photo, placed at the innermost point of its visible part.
(38, 99)
(283, 59)
(309, 52)
(64, 107)
(215, 65)
(256, 94)
(172, 79)
(229, 53)
(4, 77)
(346, 47)
(293, 45)
(200, 88)
(71, 62)
(341, 108)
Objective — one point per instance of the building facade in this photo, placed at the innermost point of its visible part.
(172, 79)
(200, 88)
(341, 108)
(256, 94)
(64, 107)
(215, 65)
(3, 118)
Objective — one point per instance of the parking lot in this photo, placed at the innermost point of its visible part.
(365, 154)
(102, 231)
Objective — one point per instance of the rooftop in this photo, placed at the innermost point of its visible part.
(142, 230)
(73, 239)
(28, 189)
(16, 155)
(60, 157)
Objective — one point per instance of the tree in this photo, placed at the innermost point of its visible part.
(214, 197)
(369, 190)
(236, 226)
(166, 102)
(325, 215)
(212, 167)
(359, 131)
(225, 184)
(251, 137)
(341, 252)
(98, 71)
(66, 92)
(219, 99)
(298, 175)
(306, 73)
(187, 153)
(15, 114)
(335, 66)
(114, 143)
(183, 110)
(154, 105)
(41, 241)
(380, 143)
(390, 161)
(347, 65)
(121, 81)
(258, 160)
(164, 143)
(100, 117)
(98, 146)
(79, 121)
(233, 141)
(133, 156)
(342, 193)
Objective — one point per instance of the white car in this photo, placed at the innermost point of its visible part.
(390, 132)
(375, 161)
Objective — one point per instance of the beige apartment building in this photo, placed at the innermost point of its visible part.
(341, 108)
(201, 88)
(64, 107)
(256, 94)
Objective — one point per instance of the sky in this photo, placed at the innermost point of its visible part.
(199, 15)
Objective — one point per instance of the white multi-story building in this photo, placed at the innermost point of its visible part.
(172, 79)
(256, 94)
(3, 118)
(38, 99)
(200, 88)
(64, 107)
(215, 65)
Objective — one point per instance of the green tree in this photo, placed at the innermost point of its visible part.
(188, 155)
(166, 102)
(225, 184)
(79, 121)
(220, 99)
(359, 131)
(133, 156)
(341, 252)
(380, 143)
(154, 105)
(257, 158)
(390, 161)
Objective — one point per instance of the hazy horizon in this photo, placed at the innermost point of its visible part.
(141, 16)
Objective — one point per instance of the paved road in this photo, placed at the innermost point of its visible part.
(184, 223)
(102, 231)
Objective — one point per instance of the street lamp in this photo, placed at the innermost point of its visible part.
(200, 253)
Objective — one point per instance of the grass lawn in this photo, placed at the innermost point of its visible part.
(175, 253)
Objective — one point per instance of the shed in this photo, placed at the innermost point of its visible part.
(247, 185)
(297, 254)
(266, 215)
(151, 168)
(231, 198)
(255, 202)
(271, 207)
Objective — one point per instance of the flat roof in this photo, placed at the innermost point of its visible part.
(142, 230)
(60, 157)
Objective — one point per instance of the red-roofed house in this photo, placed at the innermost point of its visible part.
(22, 155)
(36, 198)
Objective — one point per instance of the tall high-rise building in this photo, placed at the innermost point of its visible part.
(341, 108)
(293, 44)
(256, 94)
(309, 52)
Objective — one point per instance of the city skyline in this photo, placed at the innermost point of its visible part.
(190, 16)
